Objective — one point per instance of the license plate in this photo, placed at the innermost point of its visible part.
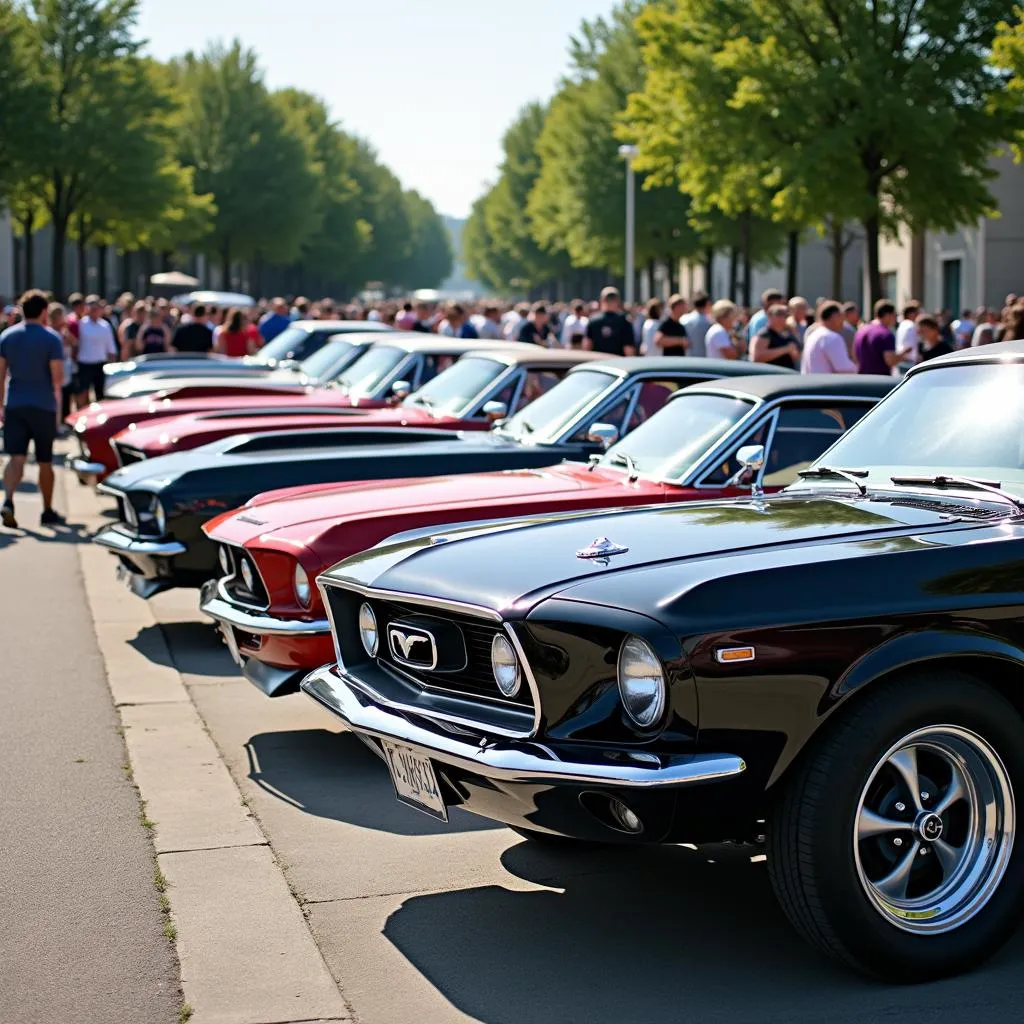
(415, 780)
(229, 638)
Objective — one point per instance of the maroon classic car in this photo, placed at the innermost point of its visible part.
(273, 549)
(387, 371)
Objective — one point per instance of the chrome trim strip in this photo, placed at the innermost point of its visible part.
(237, 572)
(528, 673)
(524, 763)
(215, 602)
(111, 538)
(475, 610)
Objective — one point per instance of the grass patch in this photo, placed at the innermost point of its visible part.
(170, 932)
(184, 1014)
(144, 818)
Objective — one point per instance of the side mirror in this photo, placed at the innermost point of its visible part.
(401, 389)
(603, 434)
(751, 460)
(495, 411)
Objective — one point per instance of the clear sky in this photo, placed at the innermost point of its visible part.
(431, 83)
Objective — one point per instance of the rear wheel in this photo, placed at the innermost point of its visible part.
(892, 847)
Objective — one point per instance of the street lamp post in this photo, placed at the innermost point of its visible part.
(628, 153)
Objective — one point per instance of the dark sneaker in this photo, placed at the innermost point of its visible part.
(7, 517)
(50, 517)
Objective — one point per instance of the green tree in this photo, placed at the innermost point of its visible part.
(578, 200)
(22, 99)
(486, 260)
(1008, 55)
(430, 258)
(257, 167)
(879, 112)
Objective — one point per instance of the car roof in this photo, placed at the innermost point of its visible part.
(801, 385)
(697, 365)
(344, 326)
(1000, 352)
(512, 352)
(413, 341)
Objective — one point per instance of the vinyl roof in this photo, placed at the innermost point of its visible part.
(522, 352)
(697, 365)
(802, 385)
(1003, 351)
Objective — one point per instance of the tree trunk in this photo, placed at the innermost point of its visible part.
(734, 260)
(28, 228)
(871, 235)
(709, 269)
(225, 262)
(101, 259)
(59, 241)
(166, 258)
(747, 247)
(791, 263)
(838, 254)
(83, 261)
(127, 284)
(17, 248)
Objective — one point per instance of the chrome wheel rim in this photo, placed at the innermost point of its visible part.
(934, 829)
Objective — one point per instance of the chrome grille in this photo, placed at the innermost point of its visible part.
(235, 585)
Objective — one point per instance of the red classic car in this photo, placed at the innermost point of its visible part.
(408, 360)
(281, 541)
(479, 388)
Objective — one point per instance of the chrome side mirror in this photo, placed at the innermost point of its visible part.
(603, 434)
(495, 411)
(401, 389)
(751, 460)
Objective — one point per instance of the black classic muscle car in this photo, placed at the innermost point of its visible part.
(164, 502)
(835, 672)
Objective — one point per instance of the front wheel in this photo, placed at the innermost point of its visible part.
(892, 847)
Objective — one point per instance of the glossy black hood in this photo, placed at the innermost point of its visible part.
(237, 468)
(511, 566)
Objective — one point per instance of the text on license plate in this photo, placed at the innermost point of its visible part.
(415, 780)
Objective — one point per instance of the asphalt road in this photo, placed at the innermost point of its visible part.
(81, 932)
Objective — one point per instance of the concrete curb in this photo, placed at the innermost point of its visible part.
(247, 954)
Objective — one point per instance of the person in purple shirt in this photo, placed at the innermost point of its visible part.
(874, 346)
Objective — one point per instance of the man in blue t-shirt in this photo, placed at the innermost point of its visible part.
(33, 355)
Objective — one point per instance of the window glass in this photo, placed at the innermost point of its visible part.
(729, 467)
(544, 419)
(964, 420)
(365, 375)
(538, 383)
(320, 363)
(451, 391)
(802, 435)
(291, 343)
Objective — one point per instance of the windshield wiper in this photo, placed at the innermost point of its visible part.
(970, 482)
(850, 475)
(627, 460)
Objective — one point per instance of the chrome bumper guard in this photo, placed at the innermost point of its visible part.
(112, 538)
(88, 472)
(524, 762)
(215, 603)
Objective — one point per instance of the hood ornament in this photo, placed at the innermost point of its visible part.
(602, 548)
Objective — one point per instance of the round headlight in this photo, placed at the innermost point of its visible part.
(156, 510)
(303, 588)
(247, 576)
(505, 666)
(225, 561)
(368, 630)
(641, 681)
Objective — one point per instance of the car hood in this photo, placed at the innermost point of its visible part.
(513, 565)
(194, 429)
(303, 512)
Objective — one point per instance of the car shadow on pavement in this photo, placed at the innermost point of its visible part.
(193, 648)
(662, 934)
(333, 775)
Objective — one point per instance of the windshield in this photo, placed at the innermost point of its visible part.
(667, 445)
(321, 364)
(451, 391)
(543, 420)
(365, 375)
(957, 420)
(292, 343)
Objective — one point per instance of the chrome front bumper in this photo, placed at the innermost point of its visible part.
(522, 762)
(215, 603)
(120, 543)
(88, 472)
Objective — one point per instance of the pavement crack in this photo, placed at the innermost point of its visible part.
(206, 849)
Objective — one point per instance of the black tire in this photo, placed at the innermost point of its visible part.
(811, 856)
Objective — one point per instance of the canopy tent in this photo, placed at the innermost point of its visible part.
(173, 279)
(208, 298)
